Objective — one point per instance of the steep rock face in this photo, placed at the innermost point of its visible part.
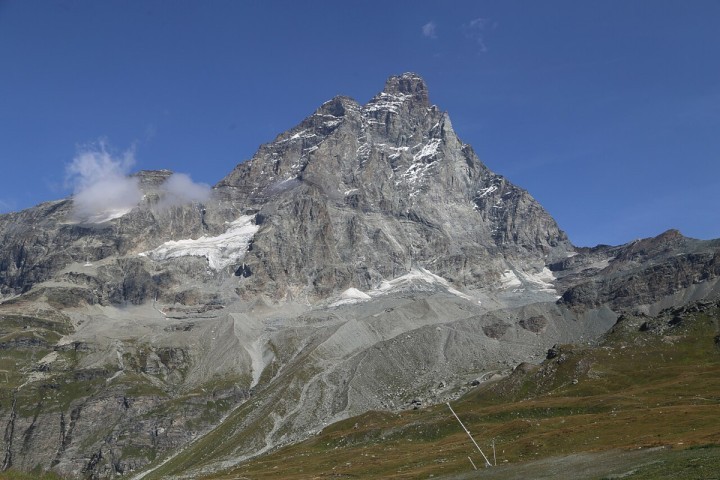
(358, 193)
(353, 195)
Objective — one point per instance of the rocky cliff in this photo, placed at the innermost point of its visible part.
(356, 194)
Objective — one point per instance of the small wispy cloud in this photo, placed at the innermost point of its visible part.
(429, 30)
(476, 31)
(100, 182)
(150, 132)
(180, 189)
(103, 188)
(479, 22)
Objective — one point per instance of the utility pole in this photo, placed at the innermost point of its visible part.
(487, 462)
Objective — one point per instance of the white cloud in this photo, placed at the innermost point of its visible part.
(476, 29)
(102, 189)
(429, 30)
(479, 23)
(179, 189)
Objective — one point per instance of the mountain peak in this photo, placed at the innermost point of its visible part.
(407, 84)
(337, 106)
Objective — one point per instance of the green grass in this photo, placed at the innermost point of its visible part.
(17, 353)
(51, 321)
(38, 475)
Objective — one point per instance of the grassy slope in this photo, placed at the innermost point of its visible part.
(658, 385)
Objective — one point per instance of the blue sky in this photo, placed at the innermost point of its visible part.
(607, 112)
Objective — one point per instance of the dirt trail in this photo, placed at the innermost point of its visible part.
(590, 465)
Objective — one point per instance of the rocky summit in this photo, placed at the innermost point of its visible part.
(366, 259)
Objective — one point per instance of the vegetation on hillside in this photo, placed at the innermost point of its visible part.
(650, 382)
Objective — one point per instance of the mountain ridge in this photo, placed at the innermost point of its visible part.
(397, 158)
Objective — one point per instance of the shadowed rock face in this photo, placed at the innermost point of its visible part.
(359, 193)
(364, 259)
(645, 275)
(41, 243)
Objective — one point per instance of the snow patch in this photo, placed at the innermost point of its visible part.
(221, 251)
(417, 170)
(427, 150)
(386, 101)
(297, 136)
(541, 280)
(332, 123)
(107, 215)
(418, 279)
(487, 191)
(363, 150)
(414, 176)
(350, 296)
(398, 151)
(536, 281)
(353, 292)
(509, 280)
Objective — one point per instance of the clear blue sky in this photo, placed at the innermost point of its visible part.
(608, 112)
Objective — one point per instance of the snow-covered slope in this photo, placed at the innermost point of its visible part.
(221, 251)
